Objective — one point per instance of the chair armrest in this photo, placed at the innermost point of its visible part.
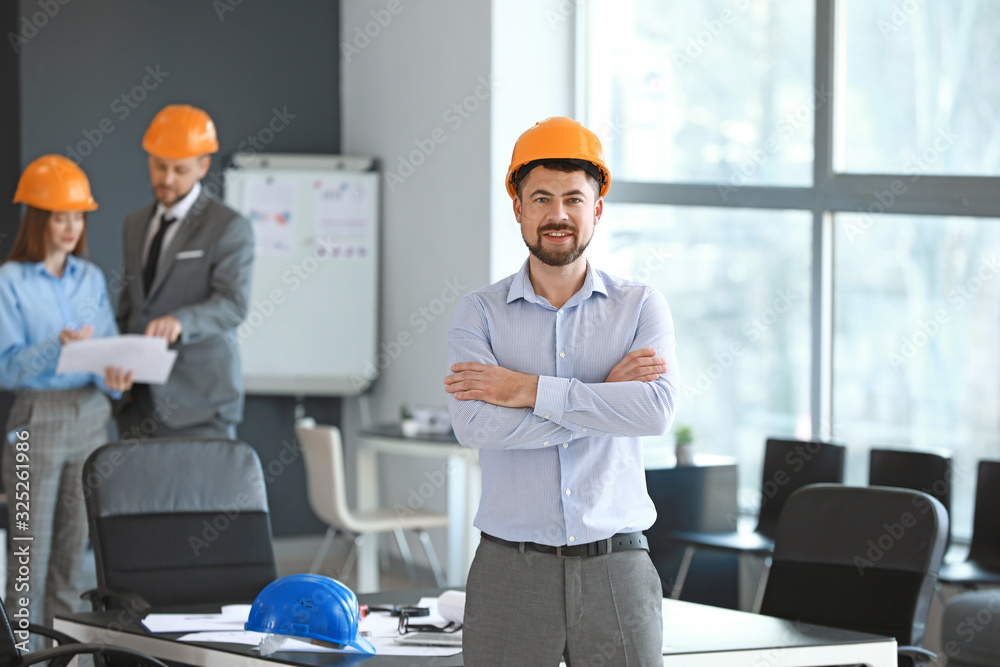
(100, 597)
(916, 652)
(62, 654)
(46, 631)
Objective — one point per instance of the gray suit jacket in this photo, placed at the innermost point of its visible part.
(203, 280)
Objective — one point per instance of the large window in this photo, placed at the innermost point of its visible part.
(815, 188)
(917, 337)
(704, 91)
(920, 88)
(737, 281)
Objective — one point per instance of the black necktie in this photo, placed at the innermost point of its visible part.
(149, 273)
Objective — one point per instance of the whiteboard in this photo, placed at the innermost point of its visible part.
(312, 321)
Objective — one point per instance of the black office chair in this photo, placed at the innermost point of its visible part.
(859, 558)
(60, 655)
(924, 470)
(788, 466)
(177, 522)
(970, 631)
(927, 470)
(982, 566)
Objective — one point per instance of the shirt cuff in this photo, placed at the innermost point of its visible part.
(111, 393)
(550, 398)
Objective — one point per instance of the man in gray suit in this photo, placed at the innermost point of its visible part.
(189, 258)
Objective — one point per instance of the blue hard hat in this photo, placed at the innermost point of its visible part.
(310, 606)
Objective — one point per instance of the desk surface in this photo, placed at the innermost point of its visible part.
(694, 635)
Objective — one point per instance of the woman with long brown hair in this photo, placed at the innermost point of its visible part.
(51, 295)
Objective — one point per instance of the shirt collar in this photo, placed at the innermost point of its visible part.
(181, 208)
(73, 265)
(520, 287)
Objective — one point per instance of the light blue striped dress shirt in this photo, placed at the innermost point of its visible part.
(35, 307)
(571, 470)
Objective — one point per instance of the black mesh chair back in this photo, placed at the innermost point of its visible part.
(179, 522)
(9, 654)
(858, 558)
(920, 470)
(985, 547)
(982, 565)
(788, 466)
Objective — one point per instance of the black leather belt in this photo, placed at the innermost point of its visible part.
(619, 542)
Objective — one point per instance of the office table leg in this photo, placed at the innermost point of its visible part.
(464, 490)
(456, 466)
(473, 492)
(682, 572)
(367, 480)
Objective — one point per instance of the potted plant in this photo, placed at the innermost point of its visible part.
(408, 424)
(684, 445)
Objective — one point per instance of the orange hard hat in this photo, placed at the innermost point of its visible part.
(55, 183)
(180, 131)
(558, 138)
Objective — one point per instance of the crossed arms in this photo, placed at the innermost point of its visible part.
(494, 407)
(509, 389)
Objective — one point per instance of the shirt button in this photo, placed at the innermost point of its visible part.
(546, 442)
(568, 492)
(584, 430)
(572, 539)
(560, 311)
(546, 416)
(565, 445)
(562, 354)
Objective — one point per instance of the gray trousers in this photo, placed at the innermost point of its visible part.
(45, 497)
(532, 609)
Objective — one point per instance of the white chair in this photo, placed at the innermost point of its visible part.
(323, 453)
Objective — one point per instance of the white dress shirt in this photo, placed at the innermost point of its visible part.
(177, 211)
(569, 471)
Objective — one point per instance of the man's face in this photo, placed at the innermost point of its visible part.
(558, 212)
(173, 179)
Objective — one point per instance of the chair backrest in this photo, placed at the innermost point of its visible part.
(920, 470)
(858, 558)
(180, 521)
(985, 547)
(323, 454)
(10, 656)
(788, 466)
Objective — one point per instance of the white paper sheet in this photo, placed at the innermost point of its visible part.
(379, 628)
(147, 356)
(231, 617)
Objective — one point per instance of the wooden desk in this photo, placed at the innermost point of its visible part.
(462, 483)
(694, 636)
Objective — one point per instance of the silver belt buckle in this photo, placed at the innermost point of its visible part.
(559, 553)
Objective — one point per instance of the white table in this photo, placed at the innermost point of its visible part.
(462, 484)
(694, 636)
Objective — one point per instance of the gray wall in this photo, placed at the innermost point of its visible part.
(243, 66)
(400, 91)
(10, 119)
(10, 157)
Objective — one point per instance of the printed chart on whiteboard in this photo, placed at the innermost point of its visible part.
(311, 328)
(271, 203)
(340, 209)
